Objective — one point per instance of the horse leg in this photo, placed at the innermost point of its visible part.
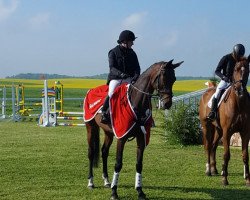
(105, 153)
(207, 140)
(245, 157)
(118, 167)
(217, 137)
(93, 150)
(138, 177)
(226, 157)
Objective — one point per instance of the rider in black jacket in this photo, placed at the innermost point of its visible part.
(225, 70)
(123, 67)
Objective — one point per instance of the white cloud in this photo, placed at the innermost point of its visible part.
(40, 20)
(171, 38)
(7, 9)
(134, 20)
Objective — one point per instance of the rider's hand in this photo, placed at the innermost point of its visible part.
(135, 77)
(123, 75)
(226, 79)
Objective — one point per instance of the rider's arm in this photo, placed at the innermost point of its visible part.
(113, 64)
(221, 66)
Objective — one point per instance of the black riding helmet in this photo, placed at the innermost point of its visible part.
(126, 36)
(239, 50)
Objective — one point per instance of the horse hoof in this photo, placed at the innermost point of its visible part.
(142, 196)
(225, 182)
(114, 197)
(208, 174)
(108, 185)
(214, 173)
(91, 187)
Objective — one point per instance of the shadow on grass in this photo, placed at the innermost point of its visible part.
(183, 193)
(222, 193)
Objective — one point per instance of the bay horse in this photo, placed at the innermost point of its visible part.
(159, 77)
(233, 116)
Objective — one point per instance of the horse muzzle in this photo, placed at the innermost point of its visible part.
(166, 104)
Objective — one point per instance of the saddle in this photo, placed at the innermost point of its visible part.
(122, 115)
(223, 96)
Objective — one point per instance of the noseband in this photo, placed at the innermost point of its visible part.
(159, 92)
(162, 91)
(236, 89)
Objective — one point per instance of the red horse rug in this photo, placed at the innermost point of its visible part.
(123, 118)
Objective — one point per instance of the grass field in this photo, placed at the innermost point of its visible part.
(51, 163)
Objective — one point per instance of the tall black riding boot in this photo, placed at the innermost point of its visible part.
(105, 116)
(211, 116)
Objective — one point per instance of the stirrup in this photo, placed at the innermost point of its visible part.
(211, 116)
(105, 118)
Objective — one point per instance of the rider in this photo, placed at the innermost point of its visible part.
(225, 71)
(123, 67)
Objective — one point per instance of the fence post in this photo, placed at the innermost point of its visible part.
(4, 103)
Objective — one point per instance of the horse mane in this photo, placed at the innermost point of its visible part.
(243, 59)
(148, 71)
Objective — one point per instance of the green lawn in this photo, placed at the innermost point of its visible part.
(51, 163)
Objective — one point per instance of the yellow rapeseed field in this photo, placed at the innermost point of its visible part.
(184, 86)
(189, 85)
(67, 83)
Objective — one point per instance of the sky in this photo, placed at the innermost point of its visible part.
(73, 37)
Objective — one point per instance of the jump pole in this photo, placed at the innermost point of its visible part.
(71, 113)
(14, 106)
(47, 112)
(45, 106)
(4, 103)
(69, 124)
(70, 118)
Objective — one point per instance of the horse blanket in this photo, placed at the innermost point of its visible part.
(122, 115)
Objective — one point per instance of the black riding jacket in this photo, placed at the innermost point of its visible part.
(225, 67)
(123, 60)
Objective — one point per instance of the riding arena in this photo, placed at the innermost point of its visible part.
(77, 141)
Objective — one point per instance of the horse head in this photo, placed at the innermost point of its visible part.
(163, 81)
(240, 76)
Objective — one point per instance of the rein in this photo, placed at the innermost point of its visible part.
(146, 93)
(158, 90)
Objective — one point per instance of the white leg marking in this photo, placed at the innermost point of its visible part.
(115, 179)
(91, 183)
(244, 175)
(207, 168)
(138, 180)
(106, 181)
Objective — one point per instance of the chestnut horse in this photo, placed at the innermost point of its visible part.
(159, 77)
(233, 116)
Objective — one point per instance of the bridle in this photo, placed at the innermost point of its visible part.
(160, 92)
(239, 91)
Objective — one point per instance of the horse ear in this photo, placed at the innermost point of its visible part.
(177, 64)
(170, 62)
(248, 58)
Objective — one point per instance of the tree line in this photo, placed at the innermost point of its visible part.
(39, 76)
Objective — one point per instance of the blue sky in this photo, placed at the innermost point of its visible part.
(73, 37)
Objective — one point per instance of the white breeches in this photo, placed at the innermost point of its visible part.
(222, 85)
(114, 83)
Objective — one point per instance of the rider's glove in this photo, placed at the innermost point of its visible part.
(226, 79)
(124, 76)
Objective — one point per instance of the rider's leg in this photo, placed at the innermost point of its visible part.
(216, 99)
(105, 116)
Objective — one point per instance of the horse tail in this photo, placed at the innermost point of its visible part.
(96, 149)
